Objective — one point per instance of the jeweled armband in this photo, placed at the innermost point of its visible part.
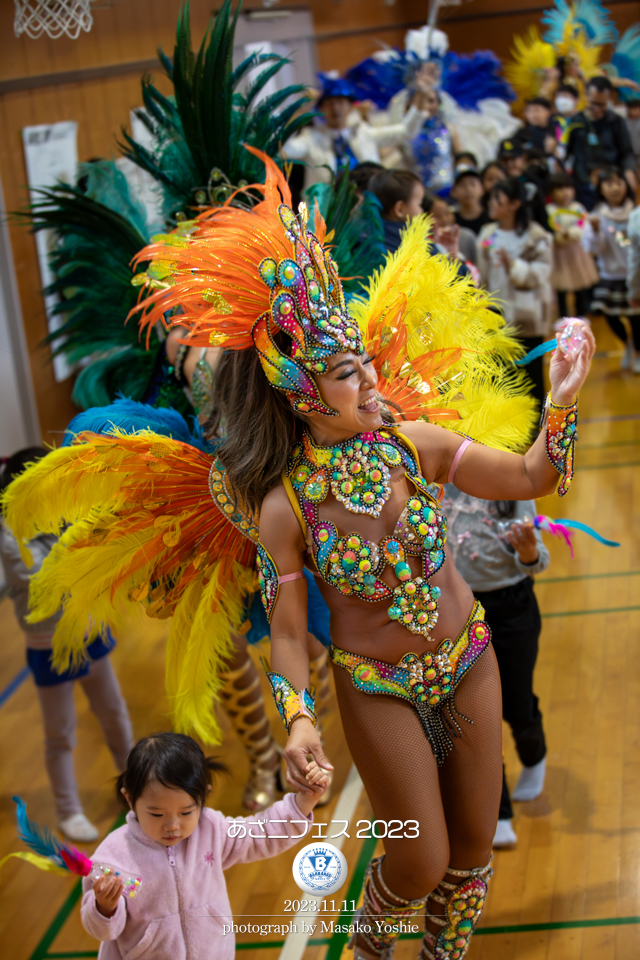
(562, 424)
(291, 703)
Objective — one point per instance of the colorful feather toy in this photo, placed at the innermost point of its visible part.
(47, 852)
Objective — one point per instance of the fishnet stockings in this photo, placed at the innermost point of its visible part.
(455, 805)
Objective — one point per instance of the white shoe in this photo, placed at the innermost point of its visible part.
(627, 356)
(635, 364)
(505, 835)
(530, 782)
(79, 828)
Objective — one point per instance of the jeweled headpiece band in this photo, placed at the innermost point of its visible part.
(307, 303)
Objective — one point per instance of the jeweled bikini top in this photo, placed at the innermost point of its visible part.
(357, 473)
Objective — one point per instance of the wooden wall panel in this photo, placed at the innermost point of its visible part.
(129, 31)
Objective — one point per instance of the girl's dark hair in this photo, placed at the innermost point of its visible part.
(15, 464)
(505, 509)
(514, 189)
(605, 174)
(559, 180)
(172, 759)
(257, 424)
(430, 199)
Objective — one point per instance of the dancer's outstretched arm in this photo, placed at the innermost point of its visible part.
(494, 474)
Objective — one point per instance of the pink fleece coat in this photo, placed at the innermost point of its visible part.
(182, 904)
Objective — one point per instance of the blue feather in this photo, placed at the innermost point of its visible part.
(131, 416)
(38, 839)
(626, 60)
(594, 19)
(469, 78)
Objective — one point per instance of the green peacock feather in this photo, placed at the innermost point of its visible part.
(199, 132)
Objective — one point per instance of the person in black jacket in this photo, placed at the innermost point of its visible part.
(598, 138)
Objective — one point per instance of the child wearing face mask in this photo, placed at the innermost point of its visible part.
(606, 238)
(180, 850)
(573, 268)
(566, 105)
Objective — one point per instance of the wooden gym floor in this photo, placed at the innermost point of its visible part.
(571, 888)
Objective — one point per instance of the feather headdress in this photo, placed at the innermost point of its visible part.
(244, 278)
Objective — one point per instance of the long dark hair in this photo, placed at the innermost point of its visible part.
(171, 759)
(513, 189)
(257, 425)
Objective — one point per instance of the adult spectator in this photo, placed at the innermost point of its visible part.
(342, 138)
(598, 138)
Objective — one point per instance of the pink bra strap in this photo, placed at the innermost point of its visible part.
(299, 575)
(458, 457)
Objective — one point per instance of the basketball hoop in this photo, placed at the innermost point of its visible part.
(53, 17)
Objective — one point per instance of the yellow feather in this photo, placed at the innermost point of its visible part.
(526, 73)
(42, 863)
(422, 295)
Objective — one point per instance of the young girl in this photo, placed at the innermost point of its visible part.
(514, 259)
(573, 268)
(56, 690)
(498, 551)
(606, 238)
(180, 848)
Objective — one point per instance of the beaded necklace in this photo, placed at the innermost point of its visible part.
(351, 563)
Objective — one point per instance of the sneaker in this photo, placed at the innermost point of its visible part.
(530, 782)
(505, 835)
(79, 828)
(627, 356)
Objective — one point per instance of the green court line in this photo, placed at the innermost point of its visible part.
(41, 952)
(589, 576)
(586, 613)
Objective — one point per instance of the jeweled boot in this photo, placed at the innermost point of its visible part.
(463, 903)
(241, 703)
(380, 919)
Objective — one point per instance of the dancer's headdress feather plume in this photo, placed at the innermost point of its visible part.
(245, 278)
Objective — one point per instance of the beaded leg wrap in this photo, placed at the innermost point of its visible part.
(380, 919)
(263, 751)
(463, 903)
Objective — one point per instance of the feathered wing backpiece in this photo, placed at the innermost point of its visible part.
(99, 228)
(141, 518)
(442, 354)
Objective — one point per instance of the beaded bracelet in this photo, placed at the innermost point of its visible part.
(291, 703)
(562, 423)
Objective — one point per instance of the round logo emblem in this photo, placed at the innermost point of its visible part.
(320, 868)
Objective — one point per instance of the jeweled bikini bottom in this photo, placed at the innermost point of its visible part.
(427, 681)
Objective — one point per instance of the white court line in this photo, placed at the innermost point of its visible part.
(296, 943)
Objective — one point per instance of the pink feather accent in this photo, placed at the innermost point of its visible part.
(555, 529)
(76, 861)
